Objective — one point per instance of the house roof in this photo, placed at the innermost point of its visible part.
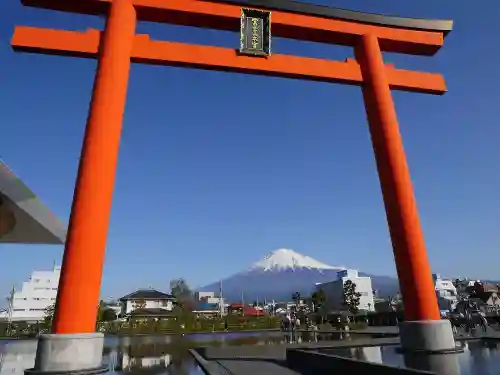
(252, 311)
(26, 220)
(236, 306)
(485, 296)
(147, 294)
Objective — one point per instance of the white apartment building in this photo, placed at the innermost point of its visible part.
(334, 291)
(199, 296)
(446, 293)
(36, 294)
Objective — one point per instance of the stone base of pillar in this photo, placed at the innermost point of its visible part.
(430, 336)
(69, 354)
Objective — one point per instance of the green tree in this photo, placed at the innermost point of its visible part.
(104, 313)
(318, 298)
(49, 314)
(478, 289)
(183, 295)
(296, 298)
(108, 315)
(180, 288)
(351, 297)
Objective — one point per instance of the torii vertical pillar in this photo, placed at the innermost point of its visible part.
(74, 346)
(423, 328)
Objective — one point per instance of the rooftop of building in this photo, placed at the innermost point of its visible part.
(147, 294)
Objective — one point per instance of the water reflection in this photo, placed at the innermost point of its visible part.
(365, 353)
(443, 364)
(139, 354)
(479, 357)
(15, 356)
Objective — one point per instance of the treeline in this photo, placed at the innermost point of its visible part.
(190, 325)
(23, 329)
(178, 325)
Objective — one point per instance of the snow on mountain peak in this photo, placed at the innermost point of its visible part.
(287, 259)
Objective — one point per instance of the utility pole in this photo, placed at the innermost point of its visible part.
(10, 311)
(221, 300)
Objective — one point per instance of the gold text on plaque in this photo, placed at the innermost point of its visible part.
(255, 33)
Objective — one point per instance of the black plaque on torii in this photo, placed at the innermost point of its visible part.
(255, 32)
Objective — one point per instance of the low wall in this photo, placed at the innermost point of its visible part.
(209, 368)
(313, 362)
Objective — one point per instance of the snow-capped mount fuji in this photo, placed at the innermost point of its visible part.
(286, 260)
(283, 272)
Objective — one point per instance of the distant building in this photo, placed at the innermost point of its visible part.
(208, 298)
(36, 294)
(489, 287)
(240, 309)
(202, 295)
(209, 301)
(146, 302)
(334, 291)
(446, 293)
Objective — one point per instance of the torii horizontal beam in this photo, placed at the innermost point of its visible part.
(147, 51)
(290, 19)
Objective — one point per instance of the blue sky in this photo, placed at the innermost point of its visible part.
(202, 192)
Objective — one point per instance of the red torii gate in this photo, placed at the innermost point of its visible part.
(118, 45)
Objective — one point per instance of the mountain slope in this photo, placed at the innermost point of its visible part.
(284, 272)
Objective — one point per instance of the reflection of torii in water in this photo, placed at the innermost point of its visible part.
(473, 317)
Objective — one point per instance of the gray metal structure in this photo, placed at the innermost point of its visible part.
(26, 220)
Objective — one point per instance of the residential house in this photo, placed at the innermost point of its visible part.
(446, 293)
(146, 303)
(487, 302)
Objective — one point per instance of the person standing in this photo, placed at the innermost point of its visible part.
(292, 328)
(286, 327)
(297, 329)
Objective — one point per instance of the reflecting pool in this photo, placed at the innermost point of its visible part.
(480, 357)
(140, 354)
